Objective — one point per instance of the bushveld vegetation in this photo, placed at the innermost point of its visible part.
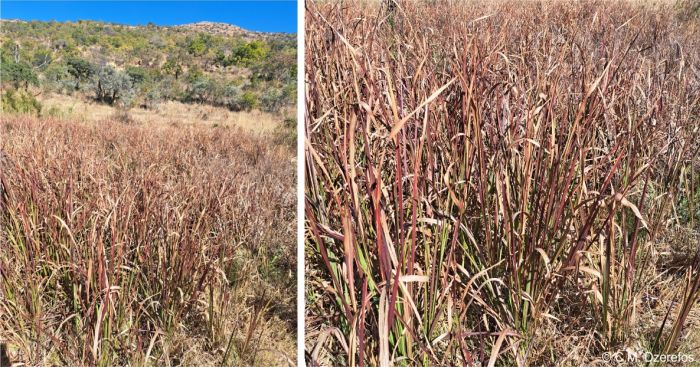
(508, 183)
(145, 244)
(208, 63)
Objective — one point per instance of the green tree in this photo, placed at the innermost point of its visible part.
(249, 53)
(138, 75)
(172, 67)
(221, 59)
(194, 73)
(19, 74)
(80, 69)
(57, 78)
(112, 85)
(279, 65)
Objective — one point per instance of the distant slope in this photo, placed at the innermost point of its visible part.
(206, 62)
(230, 30)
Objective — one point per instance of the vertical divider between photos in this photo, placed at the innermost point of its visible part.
(301, 295)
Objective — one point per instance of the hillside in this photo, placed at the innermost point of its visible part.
(207, 63)
(229, 30)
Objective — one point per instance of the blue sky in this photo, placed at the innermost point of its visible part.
(263, 16)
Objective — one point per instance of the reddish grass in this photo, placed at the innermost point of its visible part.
(145, 245)
(491, 184)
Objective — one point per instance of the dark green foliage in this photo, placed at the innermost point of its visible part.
(279, 66)
(19, 74)
(138, 75)
(193, 74)
(221, 59)
(249, 54)
(80, 69)
(62, 57)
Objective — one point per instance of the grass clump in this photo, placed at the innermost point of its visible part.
(144, 245)
(494, 183)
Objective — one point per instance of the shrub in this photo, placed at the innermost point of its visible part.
(138, 75)
(153, 96)
(42, 59)
(172, 67)
(221, 59)
(232, 97)
(200, 89)
(272, 99)
(112, 86)
(20, 102)
(57, 78)
(197, 47)
(249, 101)
(280, 66)
(249, 53)
(171, 89)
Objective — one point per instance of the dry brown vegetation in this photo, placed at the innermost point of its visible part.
(145, 244)
(170, 112)
(508, 183)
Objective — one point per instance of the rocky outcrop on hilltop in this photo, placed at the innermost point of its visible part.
(230, 30)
